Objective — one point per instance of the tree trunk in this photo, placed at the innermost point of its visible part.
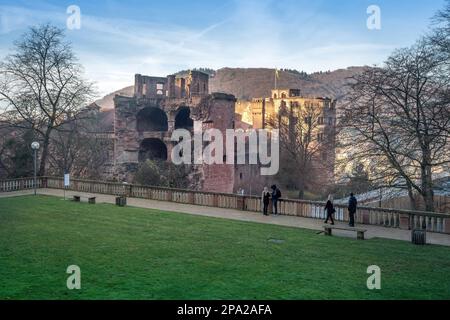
(412, 199)
(427, 183)
(44, 154)
(428, 198)
(301, 189)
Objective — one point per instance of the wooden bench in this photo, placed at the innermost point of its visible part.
(91, 200)
(359, 232)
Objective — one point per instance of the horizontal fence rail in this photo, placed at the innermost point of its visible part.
(19, 184)
(390, 218)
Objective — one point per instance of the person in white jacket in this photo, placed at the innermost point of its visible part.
(265, 198)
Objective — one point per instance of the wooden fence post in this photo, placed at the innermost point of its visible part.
(191, 198)
(366, 217)
(405, 222)
(240, 203)
(446, 225)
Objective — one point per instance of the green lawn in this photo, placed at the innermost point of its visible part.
(133, 253)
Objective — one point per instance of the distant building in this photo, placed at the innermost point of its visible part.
(289, 105)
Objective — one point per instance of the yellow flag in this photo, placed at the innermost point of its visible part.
(277, 73)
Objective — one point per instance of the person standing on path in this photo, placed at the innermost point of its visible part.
(329, 207)
(265, 198)
(276, 194)
(352, 203)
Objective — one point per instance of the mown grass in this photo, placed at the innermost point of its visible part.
(134, 253)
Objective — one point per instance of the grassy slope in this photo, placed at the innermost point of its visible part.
(133, 253)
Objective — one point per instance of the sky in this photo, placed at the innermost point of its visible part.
(118, 39)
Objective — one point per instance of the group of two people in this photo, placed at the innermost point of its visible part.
(275, 195)
(352, 203)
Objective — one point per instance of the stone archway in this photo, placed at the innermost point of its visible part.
(183, 119)
(153, 149)
(151, 119)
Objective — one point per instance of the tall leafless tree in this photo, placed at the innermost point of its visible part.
(439, 38)
(79, 147)
(303, 143)
(395, 120)
(440, 35)
(41, 85)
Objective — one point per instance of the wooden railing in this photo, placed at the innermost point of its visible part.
(19, 184)
(392, 218)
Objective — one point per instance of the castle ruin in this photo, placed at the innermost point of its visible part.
(144, 123)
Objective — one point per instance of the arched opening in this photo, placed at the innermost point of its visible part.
(283, 95)
(151, 119)
(152, 149)
(183, 120)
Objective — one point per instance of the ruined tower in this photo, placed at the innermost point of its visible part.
(144, 123)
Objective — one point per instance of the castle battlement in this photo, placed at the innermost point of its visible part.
(195, 83)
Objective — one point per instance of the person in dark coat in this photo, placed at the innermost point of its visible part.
(329, 207)
(276, 194)
(352, 203)
(265, 198)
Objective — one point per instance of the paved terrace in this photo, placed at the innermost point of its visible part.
(288, 221)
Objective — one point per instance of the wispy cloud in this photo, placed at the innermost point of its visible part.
(234, 33)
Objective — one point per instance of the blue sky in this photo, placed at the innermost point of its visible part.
(120, 38)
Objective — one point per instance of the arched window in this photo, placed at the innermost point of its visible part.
(183, 120)
(152, 149)
(151, 119)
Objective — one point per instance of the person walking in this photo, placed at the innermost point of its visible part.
(276, 194)
(329, 207)
(265, 198)
(352, 203)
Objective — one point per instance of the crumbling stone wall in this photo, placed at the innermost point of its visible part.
(220, 177)
(144, 123)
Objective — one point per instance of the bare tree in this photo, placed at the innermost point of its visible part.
(394, 120)
(15, 152)
(302, 145)
(79, 148)
(439, 38)
(162, 173)
(78, 153)
(41, 85)
(440, 35)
